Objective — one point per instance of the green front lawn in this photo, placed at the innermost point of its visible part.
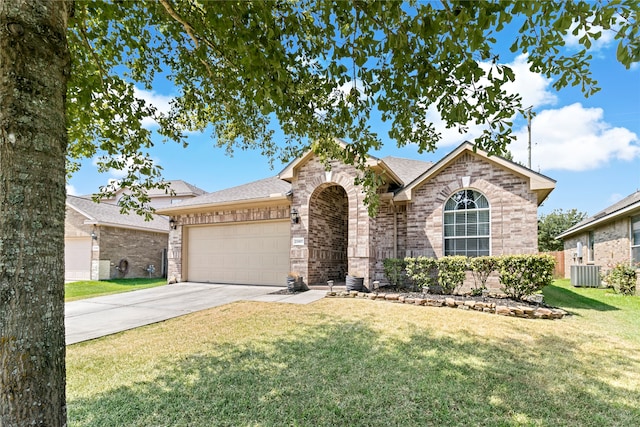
(93, 288)
(348, 362)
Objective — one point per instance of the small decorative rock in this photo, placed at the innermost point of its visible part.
(503, 310)
(522, 311)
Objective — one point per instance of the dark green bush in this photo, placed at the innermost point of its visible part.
(523, 275)
(451, 272)
(482, 267)
(394, 271)
(422, 271)
(622, 278)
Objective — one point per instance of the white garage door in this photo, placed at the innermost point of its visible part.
(77, 258)
(248, 253)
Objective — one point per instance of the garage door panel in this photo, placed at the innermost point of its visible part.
(77, 258)
(243, 253)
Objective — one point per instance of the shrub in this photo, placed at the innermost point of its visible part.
(622, 278)
(522, 275)
(451, 272)
(394, 271)
(481, 268)
(421, 271)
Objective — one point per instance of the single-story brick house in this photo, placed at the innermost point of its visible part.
(608, 238)
(314, 222)
(102, 243)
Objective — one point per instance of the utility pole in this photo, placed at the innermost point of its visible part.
(528, 110)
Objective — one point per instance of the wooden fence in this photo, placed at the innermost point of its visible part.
(559, 256)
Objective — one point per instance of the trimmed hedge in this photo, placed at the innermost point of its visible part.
(422, 271)
(395, 271)
(481, 267)
(520, 275)
(523, 275)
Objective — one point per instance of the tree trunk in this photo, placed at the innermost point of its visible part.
(34, 64)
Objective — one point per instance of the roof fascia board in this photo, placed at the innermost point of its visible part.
(261, 202)
(375, 163)
(606, 218)
(80, 211)
(407, 192)
(128, 227)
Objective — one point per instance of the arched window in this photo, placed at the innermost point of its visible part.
(466, 224)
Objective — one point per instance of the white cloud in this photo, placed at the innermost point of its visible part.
(71, 190)
(574, 138)
(533, 88)
(606, 38)
(162, 104)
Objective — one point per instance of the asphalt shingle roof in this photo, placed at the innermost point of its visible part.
(407, 169)
(180, 187)
(260, 189)
(108, 214)
(609, 211)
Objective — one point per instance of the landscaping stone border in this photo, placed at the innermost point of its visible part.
(523, 311)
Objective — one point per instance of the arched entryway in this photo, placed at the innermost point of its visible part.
(328, 234)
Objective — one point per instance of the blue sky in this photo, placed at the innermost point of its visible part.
(590, 146)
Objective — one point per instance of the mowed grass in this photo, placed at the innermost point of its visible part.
(347, 362)
(94, 288)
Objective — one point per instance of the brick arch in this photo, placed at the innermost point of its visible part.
(328, 207)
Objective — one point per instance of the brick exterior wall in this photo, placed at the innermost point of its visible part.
(419, 223)
(280, 210)
(328, 234)
(140, 248)
(513, 208)
(612, 246)
(310, 182)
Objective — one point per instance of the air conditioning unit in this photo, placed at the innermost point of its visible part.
(586, 275)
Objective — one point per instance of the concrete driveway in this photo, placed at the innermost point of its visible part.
(96, 317)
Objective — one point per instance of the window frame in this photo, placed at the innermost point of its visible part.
(591, 246)
(634, 224)
(455, 212)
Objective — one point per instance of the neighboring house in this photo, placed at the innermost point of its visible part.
(101, 243)
(177, 192)
(604, 240)
(314, 222)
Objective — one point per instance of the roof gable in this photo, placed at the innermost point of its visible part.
(378, 165)
(538, 183)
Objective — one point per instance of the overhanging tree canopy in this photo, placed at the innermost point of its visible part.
(236, 66)
(319, 69)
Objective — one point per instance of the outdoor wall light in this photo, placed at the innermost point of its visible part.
(94, 236)
(172, 224)
(295, 217)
